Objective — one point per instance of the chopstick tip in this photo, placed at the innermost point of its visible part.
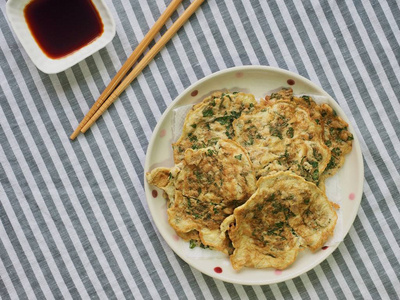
(75, 134)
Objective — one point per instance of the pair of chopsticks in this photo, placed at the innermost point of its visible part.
(116, 86)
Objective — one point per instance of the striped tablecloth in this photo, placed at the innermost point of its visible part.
(74, 222)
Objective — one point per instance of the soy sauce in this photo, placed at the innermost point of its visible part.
(60, 27)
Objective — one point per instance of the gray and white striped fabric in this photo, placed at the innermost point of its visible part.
(74, 222)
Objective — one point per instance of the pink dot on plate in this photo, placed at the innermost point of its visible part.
(218, 270)
(194, 93)
(154, 193)
(352, 196)
(324, 247)
(176, 237)
(239, 74)
(290, 82)
(163, 133)
(278, 272)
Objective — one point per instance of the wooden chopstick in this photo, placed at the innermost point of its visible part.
(128, 64)
(144, 62)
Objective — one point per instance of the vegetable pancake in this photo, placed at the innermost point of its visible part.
(211, 120)
(335, 133)
(285, 215)
(337, 137)
(205, 188)
(283, 136)
(286, 95)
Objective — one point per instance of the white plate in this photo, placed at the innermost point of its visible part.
(15, 14)
(257, 80)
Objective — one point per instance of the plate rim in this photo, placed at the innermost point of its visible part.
(356, 147)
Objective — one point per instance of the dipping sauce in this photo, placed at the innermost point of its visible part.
(61, 27)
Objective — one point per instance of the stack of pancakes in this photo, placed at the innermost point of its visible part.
(249, 176)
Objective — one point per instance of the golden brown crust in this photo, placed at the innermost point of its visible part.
(163, 178)
(207, 186)
(189, 236)
(335, 134)
(280, 136)
(158, 177)
(286, 95)
(337, 137)
(211, 120)
(284, 215)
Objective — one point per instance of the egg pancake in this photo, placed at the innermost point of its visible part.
(207, 186)
(337, 137)
(335, 130)
(286, 95)
(285, 215)
(282, 136)
(211, 120)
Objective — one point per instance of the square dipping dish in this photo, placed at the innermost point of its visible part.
(59, 34)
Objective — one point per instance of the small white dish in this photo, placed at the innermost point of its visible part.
(15, 14)
(257, 80)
